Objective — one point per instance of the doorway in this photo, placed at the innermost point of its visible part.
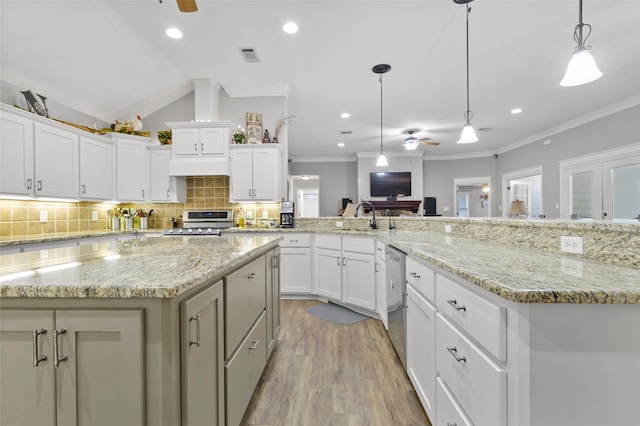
(523, 185)
(304, 190)
(472, 196)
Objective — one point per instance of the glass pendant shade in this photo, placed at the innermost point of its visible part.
(468, 135)
(382, 161)
(411, 146)
(582, 69)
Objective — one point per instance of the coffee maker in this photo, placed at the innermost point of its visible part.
(286, 214)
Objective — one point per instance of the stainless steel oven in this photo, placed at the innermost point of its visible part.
(202, 222)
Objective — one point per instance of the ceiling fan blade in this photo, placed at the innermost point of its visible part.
(428, 142)
(187, 6)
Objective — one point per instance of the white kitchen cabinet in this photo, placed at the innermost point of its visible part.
(295, 264)
(164, 188)
(131, 168)
(345, 270)
(93, 372)
(56, 162)
(255, 172)
(381, 283)
(421, 353)
(200, 148)
(16, 154)
(273, 298)
(97, 168)
(202, 349)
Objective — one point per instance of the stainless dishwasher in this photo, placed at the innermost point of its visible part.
(396, 300)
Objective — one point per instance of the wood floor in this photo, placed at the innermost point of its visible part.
(326, 374)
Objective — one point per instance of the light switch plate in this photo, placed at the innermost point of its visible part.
(447, 229)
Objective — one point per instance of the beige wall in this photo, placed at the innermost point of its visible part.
(20, 218)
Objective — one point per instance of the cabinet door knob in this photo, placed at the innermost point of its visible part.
(251, 276)
(197, 341)
(57, 358)
(37, 359)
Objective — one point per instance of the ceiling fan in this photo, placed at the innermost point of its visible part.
(187, 5)
(411, 142)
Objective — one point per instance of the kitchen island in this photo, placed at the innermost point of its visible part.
(141, 331)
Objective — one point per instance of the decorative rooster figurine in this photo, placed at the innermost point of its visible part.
(137, 124)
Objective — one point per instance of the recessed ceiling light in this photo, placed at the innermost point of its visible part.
(341, 144)
(345, 115)
(173, 32)
(290, 28)
(516, 111)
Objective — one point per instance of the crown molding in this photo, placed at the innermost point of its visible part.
(257, 90)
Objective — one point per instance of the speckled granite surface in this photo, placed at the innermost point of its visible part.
(143, 267)
(501, 256)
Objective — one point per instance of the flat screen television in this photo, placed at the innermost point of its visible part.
(390, 184)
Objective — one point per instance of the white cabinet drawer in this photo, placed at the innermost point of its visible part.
(449, 411)
(327, 241)
(295, 240)
(478, 383)
(359, 245)
(484, 321)
(422, 278)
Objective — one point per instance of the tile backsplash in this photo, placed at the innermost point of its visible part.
(22, 217)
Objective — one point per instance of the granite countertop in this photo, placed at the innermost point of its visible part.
(133, 268)
(520, 274)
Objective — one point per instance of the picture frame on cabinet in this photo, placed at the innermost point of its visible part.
(36, 103)
(254, 127)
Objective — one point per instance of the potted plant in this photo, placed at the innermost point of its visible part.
(164, 136)
(239, 136)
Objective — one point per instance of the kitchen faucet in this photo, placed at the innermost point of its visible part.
(372, 223)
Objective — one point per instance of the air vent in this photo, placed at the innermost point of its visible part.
(249, 54)
(346, 132)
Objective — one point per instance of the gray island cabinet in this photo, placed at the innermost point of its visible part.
(147, 331)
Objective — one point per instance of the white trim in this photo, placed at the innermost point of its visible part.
(481, 154)
(598, 157)
(567, 125)
(389, 154)
(516, 174)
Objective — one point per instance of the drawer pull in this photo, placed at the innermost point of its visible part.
(251, 276)
(338, 260)
(197, 341)
(293, 241)
(254, 345)
(37, 359)
(454, 303)
(454, 352)
(56, 358)
(415, 275)
(452, 424)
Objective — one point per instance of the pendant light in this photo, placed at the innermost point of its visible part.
(381, 69)
(582, 68)
(468, 134)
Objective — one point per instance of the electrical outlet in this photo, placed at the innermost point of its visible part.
(94, 216)
(447, 229)
(571, 245)
(44, 216)
(338, 224)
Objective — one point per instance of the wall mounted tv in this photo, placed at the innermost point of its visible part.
(390, 184)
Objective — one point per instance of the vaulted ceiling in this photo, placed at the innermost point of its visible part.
(111, 59)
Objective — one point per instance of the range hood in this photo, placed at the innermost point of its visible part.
(195, 163)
